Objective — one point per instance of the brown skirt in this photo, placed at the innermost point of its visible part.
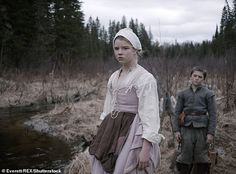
(110, 139)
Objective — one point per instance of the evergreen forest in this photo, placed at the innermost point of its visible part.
(40, 37)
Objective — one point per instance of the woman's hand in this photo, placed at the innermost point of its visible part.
(144, 155)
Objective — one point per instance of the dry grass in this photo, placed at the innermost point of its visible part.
(79, 165)
(49, 90)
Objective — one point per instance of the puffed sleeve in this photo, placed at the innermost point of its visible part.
(148, 108)
(107, 108)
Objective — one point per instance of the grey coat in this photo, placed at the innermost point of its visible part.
(200, 101)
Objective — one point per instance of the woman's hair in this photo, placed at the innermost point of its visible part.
(200, 69)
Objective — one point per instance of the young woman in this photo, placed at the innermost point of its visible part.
(127, 139)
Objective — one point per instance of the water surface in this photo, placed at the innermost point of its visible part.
(22, 148)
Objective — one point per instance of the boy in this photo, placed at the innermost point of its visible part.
(194, 124)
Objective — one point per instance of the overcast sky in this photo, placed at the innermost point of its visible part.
(169, 20)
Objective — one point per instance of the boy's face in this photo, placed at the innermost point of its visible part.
(197, 78)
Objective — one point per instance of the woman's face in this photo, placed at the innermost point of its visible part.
(124, 52)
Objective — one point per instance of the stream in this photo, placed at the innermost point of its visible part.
(24, 148)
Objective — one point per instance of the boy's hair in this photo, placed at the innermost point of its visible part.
(197, 68)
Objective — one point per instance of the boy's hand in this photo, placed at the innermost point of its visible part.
(178, 136)
(210, 138)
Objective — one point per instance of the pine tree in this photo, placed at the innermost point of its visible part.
(224, 19)
(234, 22)
(134, 26)
(111, 31)
(42, 44)
(5, 34)
(68, 29)
(144, 38)
(123, 22)
(17, 33)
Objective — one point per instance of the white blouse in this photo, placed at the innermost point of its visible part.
(144, 86)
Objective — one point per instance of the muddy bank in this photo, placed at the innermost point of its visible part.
(73, 123)
(49, 90)
(74, 120)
